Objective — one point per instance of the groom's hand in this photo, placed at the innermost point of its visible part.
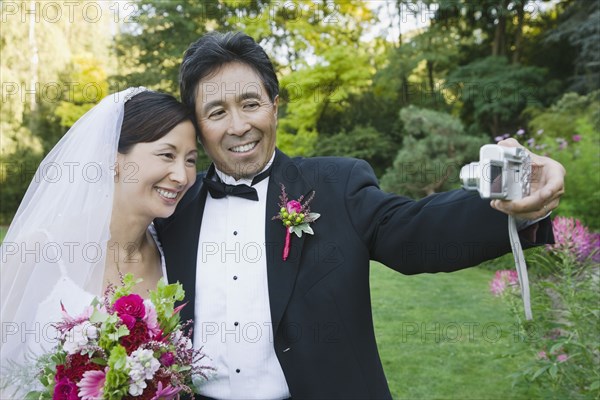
(547, 186)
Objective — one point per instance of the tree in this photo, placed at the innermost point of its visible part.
(151, 45)
(38, 44)
(493, 93)
(433, 151)
(492, 27)
(363, 142)
(579, 24)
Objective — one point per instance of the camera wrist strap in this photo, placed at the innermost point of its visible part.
(517, 251)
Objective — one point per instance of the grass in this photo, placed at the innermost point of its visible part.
(3, 230)
(444, 336)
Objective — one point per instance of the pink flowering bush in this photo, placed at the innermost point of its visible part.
(502, 280)
(572, 237)
(564, 357)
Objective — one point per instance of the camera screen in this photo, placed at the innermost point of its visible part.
(496, 178)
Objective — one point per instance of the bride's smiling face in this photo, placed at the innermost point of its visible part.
(152, 177)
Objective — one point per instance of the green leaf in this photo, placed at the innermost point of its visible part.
(553, 371)
(99, 361)
(115, 386)
(540, 371)
(555, 347)
(98, 316)
(119, 333)
(35, 395)
(297, 230)
(126, 288)
(314, 216)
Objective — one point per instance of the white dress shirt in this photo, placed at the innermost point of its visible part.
(232, 312)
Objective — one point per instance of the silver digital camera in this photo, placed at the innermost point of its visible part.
(501, 173)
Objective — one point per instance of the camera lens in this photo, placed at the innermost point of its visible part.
(469, 175)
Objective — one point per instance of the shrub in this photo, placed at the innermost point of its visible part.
(564, 350)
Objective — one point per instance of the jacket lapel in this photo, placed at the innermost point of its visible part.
(282, 274)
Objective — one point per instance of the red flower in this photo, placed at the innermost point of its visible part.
(138, 335)
(74, 368)
(128, 320)
(132, 305)
(65, 390)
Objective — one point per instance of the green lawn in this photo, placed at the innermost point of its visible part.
(3, 230)
(443, 336)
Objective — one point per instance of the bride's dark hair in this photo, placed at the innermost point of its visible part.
(149, 116)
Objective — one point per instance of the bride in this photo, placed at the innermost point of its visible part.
(86, 217)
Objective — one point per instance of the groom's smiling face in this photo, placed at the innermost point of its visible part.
(237, 120)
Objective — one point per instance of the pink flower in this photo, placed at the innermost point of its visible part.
(65, 389)
(151, 319)
(83, 317)
(132, 305)
(521, 132)
(166, 393)
(167, 359)
(562, 357)
(91, 385)
(576, 138)
(294, 206)
(68, 322)
(562, 143)
(542, 355)
(571, 236)
(502, 279)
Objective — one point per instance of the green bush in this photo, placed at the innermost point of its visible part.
(569, 132)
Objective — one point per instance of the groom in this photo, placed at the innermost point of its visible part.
(286, 316)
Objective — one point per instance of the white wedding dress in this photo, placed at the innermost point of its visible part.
(55, 248)
(74, 299)
(40, 334)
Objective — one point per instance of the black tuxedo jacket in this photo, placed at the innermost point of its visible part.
(319, 297)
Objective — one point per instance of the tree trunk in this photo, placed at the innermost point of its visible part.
(430, 78)
(495, 125)
(499, 46)
(33, 48)
(404, 86)
(519, 32)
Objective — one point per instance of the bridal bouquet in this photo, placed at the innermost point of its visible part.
(123, 347)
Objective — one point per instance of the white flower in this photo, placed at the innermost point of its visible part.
(91, 332)
(178, 338)
(142, 365)
(79, 336)
(137, 388)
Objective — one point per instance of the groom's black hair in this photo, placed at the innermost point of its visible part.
(149, 116)
(215, 49)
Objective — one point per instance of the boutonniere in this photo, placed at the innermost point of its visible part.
(295, 216)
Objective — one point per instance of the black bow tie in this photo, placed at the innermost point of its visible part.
(218, 189)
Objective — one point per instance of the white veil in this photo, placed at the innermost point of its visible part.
(58, 238)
